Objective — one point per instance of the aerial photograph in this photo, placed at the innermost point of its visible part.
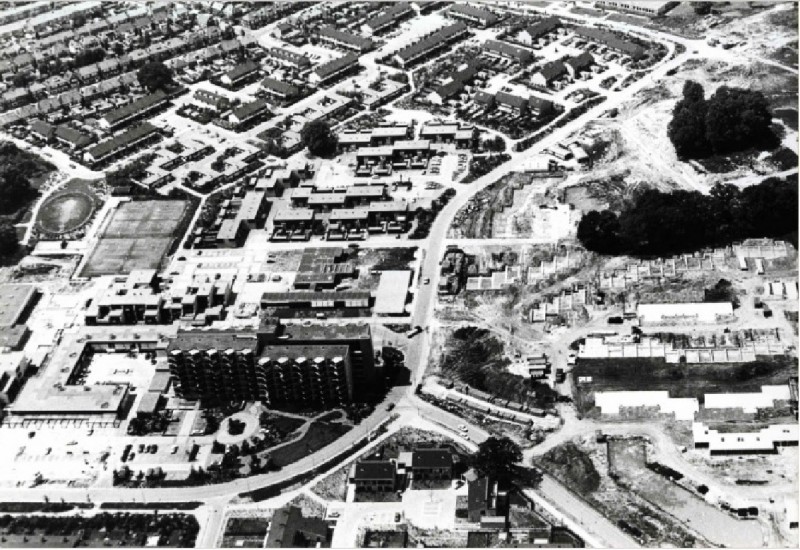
(378, 274)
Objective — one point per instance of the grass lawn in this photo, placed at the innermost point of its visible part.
(319, 435)
(246, 527)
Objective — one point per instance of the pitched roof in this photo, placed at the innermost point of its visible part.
(432, 458)
(375, 469)
(334, 66)
(581, 61)
(348, 38)
(430, 41)
(280, 86)
(389, 16)
(553, 70)
(543, 27)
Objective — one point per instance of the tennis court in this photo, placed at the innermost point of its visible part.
(138, 236)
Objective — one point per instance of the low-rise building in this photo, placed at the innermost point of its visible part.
(480, 17)
(726, 442)
(388, 18)
(650, 7)
(378, 476)
(540, 29)
(345, 40)
(241, 74)
(430, 43)
(334, 69)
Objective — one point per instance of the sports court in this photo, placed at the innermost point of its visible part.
(137, 237)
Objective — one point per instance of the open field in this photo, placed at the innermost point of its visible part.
(319, 435)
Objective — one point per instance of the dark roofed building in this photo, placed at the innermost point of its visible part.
(249, 111)
(279, 88)
(134, 110)
(549, 72)
(612, 41)
(334, 68)
(508, 51)
(374, 475)
(42, 129)
(74, 139)
(427, 44)
(345, 39)
(289, 529)
(457, 82)
(287, 57)
(540, 29)
(388, 18)
(579, 64)
(432, 463)
(477, 16)
(240, 74)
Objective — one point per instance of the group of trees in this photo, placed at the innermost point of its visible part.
(319, 138)
(659, 224)
(17, 168)
(732, 119)
(155, 76)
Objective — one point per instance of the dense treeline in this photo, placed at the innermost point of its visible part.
(732, 119)
(660, 224)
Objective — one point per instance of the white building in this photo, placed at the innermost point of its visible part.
(695, 313)
(764, 441)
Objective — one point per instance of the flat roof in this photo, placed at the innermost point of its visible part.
(392, 291)
(14, 298)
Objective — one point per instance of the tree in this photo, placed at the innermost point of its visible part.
(155, 76)
(319, 138)
(496, 458)
(9, 242)
(599, 231)
(702, 8)
(737, 119)
(732, 119)
(687, 130)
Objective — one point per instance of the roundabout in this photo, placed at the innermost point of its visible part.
(237, 428)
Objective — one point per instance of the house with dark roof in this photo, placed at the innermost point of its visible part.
(579, 64)
(289, 529)
(279, 88)
(42, 129)
(549, 73)
(247, 112)
(474, 15)
(289, 58)
(430, 43)
(432, 464)
(498, 48)
(334, 69)
(374, 475)
(346, 40)
(531, 34)
(240, 74)
(455, 83)
(611, 41)
(481, 499)
(134, 110)
(212, 100)
(72, 138)
(388, 18)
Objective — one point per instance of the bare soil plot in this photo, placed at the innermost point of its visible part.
(628, 458)
(582, 466)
